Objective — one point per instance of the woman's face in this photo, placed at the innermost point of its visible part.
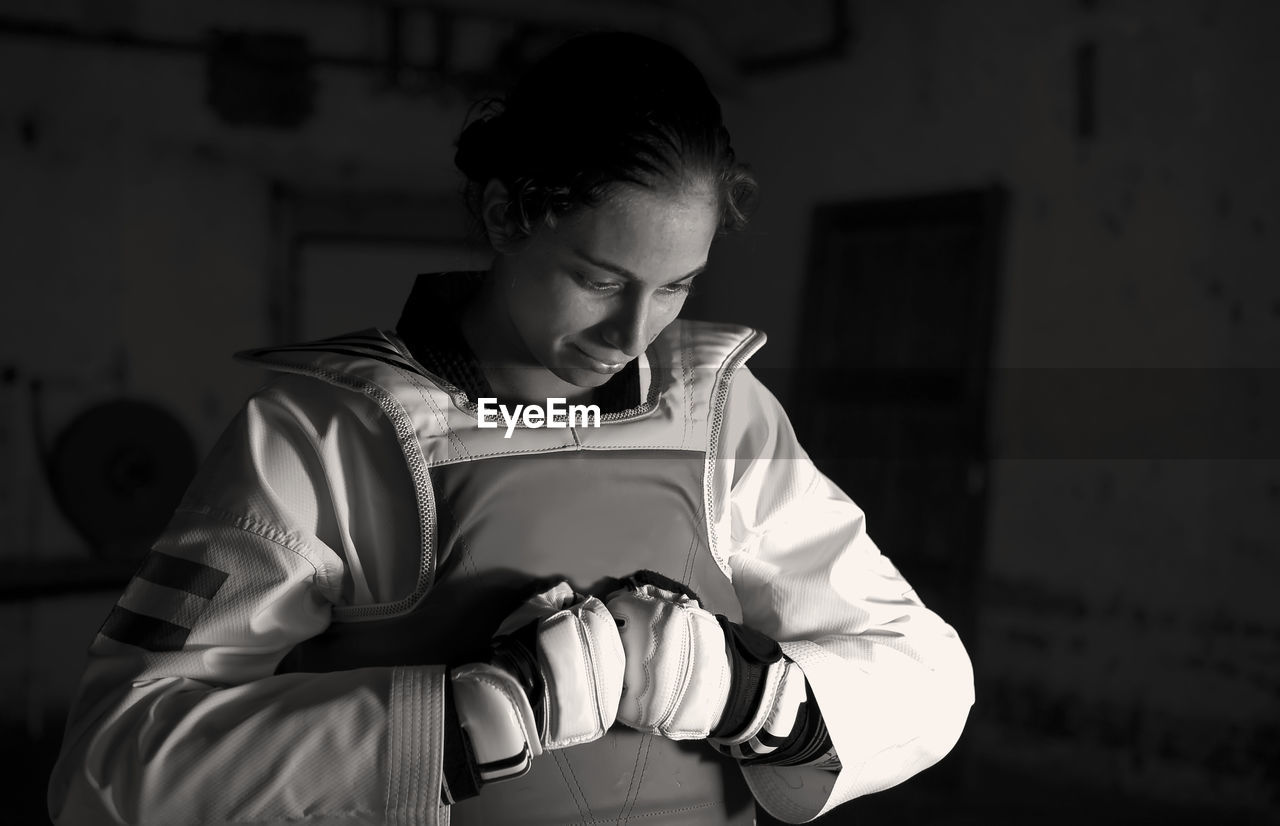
(588, 295)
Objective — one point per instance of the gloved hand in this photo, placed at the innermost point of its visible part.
(689, 674)
(554, 681)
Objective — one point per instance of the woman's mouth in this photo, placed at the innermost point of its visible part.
(599, 365)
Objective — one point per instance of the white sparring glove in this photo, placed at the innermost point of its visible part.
(554, 681)
(690, 674)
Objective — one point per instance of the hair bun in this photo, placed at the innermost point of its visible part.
(480, 148)
(600, 112)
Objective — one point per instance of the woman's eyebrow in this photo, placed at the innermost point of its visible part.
(628, 274)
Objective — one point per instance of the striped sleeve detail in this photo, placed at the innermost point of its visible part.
(182, 574)
(142, 631)
(179, 589)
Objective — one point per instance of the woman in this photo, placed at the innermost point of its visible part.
(313, 638)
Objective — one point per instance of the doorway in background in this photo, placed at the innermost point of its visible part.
(345, 261)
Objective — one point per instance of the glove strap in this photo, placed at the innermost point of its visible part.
(497, 719)
(752, 655)
(457, 760)
(787, 728)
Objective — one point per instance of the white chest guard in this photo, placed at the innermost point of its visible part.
(501, 515)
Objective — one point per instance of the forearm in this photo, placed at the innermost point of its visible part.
(889, 718)
(891, 680)
(178, 750)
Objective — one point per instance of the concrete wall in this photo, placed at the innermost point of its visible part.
(1129, 628)
(136, 232)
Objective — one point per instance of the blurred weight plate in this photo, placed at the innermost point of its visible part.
(118, 471)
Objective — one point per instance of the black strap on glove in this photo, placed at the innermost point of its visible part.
(750, 655)
(666, 583)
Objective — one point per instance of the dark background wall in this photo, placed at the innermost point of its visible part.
(1120, 600)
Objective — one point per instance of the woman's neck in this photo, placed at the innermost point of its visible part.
(511, 370)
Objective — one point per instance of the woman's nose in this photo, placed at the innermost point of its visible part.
(627, 330)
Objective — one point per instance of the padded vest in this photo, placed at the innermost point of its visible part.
(505, 517)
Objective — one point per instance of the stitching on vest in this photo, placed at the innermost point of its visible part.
(719, 400)
(519, 452)
(468, 561)
(564, 449)
(699, 530)
(420, 383)
(648, 445)
(412, 450)
(442, 419)
(637, 780)
(632, 789)
(689, 556)
(562, 762)
(661, 812)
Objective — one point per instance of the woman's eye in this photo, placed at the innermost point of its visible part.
(683, 288)
(594, 285)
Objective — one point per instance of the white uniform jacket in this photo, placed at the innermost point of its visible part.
(315, 508)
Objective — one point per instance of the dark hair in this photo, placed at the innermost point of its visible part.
(600, 111)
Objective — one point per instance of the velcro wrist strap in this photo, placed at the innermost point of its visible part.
(809, 743)
(497, 719)
(745, 687)
(781, 694)
(755, 660)
(788, 731)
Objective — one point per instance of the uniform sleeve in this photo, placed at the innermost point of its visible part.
(892, 680)
(180, 716)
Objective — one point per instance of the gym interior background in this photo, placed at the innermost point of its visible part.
(1019, 263)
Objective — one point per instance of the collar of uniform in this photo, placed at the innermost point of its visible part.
(429, 328)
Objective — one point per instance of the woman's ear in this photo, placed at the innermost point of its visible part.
(498, 227)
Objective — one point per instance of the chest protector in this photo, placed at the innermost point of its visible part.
(505, 517)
